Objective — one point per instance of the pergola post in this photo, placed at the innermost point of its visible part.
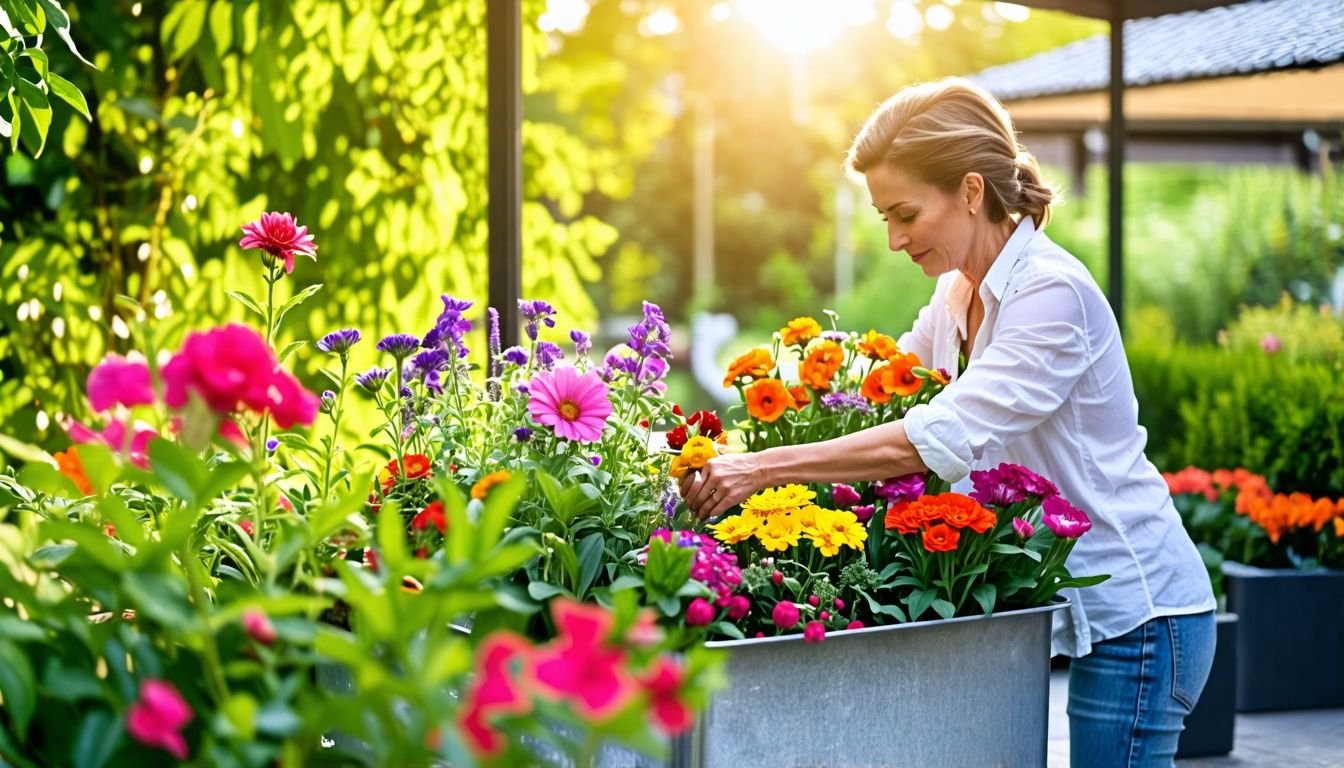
(1115, 177)
(504, 41)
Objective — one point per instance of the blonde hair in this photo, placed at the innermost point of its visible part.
(938, 132)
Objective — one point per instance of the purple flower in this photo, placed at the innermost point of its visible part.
(450, 328)
(1009, 484)
(839, 337)
(596, 460)
(582, 342)
(339, 342)
(434, 383)
(522, 434)
(864, 512)
(272, 444)
(429, 360)
(904, 488)
(536, 311)
(327, 403)
(399, 345)
(372, 379)
(548, 354)
(522, 388)
(843, 401)
(669, 500)
(651, 336)
(844, 496)
(493, 315)
(1023, 528)
(1063, 519)
(515, 355)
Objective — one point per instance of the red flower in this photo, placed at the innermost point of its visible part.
(677, 436)
(495, 690)
(431, 515)
(279, 235)
(417, 466)
(941, 538)
(708, 422)
(247, 527)
(663, 683)
(580, 666)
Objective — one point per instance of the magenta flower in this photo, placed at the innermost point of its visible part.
(116, 435)
(575, 405)
(699, 613)
(279, 235)
(664, 684)
(904, 488)
(495, 690)
(231, 366)
(1009, 484)
(1064, 519)
(1270, 343)
(1023, 528)
(580, 667)
(118, 381)
(255, 623)
(814, 632)
(864, 512)
(844, 496)
(157, 719)
(855, 624)
(738, 607)
(785, 615)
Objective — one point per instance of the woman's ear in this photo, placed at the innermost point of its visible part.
(973, 192)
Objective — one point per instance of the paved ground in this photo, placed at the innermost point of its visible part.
(1311, 738)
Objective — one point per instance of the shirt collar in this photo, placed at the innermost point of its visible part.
(996, 280)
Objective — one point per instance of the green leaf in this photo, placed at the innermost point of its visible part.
(1012, 549)
(18, 687)
(100, 735)
(918, 602)
(38, 109)
(66, 91)
(182, 473)
(291, 348)
(14, 628)
(18, 449)
(333, 515)
(392, 538)
(182, 27)
(100, 465)
(943, 608)
(499, 506)
(294, 301)
(590, 552)
(246, 301)
(39, 60)
(985, 595)
(623, 583)
(58, 19)
(544, 590)
(221, 25)
(90, 541)
(222, 477)
(241, 712)
(160, 597)
(729, 629)
(47, 479)
(112, 508)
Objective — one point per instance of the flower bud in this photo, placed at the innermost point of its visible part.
(700, 612)
(839, 604)
(258, 627)
(777, 578)
(824, 616)
(855, 624)
(813, 600)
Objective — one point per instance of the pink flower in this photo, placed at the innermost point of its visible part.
(903, 488)
(575, 405)
(855, 624)
(502, 658)
(157, 719)
(663, 684)
(279, 235)
(864, 512)
(814, 632)
(839, 604)
(247, 526)
(232, 366)
(134, 447)
(785, 615)
(257, 626)
(777, 578)
(738, 607)
(699, 613)
(844, 496)
(1064, 519)
(118, 381)
(1023, 528)
(580, 666)
(1270, 343)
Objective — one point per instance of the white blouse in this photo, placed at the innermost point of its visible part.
(1048, 387)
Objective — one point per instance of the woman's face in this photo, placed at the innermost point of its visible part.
(934, 227)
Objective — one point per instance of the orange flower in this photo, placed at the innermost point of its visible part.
(417, 466)
(905, 381)
(878, 346)
(483, 486)
(800, 396)
(937, 376)
(800, 330)
(757, 364)
(900, 520)
(821, 365)
(1191, 480)
(874, 386)
(941, 538)
(972, 516)
(68, 463)
(767, 399)
(1339, 527)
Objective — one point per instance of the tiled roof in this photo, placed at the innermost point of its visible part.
(1234, 40)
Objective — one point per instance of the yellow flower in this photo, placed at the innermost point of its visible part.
(800, 330)
(878, 346)
(785, 498)
(779, 533)
(808, 518)
(828, 543)
(679, 467)
(483, 486)
(698, 451)
(737, 528)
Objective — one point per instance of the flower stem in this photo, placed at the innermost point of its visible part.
(335, 429)
(214, 670)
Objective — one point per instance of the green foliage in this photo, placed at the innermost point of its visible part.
(26, 78)
(366, 120)
(1208, 406)
(1291, 330)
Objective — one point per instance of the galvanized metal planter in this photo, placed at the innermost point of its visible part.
(960, 692)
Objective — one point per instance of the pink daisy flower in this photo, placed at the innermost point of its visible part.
(281, 236)
(575, 405)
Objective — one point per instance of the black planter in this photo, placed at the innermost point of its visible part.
(1210, 726)
(1290, 638)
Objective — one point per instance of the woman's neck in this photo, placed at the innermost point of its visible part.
(985, 248)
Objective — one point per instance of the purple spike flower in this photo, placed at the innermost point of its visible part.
(536, 311)
(372, 380)
(548, 354)
(399, 345)
(339, 342)
(582, 342)
(515, 355)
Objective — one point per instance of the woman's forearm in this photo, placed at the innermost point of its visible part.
(872, 454)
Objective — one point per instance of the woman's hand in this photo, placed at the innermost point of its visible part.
(724, 482)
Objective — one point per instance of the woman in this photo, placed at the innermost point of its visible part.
(1046, 386)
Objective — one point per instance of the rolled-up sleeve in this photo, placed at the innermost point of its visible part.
(1039, 351)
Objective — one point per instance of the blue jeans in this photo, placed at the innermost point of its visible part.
(1128, 698)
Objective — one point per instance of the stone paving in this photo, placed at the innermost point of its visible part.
(1311, 738)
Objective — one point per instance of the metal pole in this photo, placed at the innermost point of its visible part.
(1116, 166)
(702, 205)
(504, 50)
